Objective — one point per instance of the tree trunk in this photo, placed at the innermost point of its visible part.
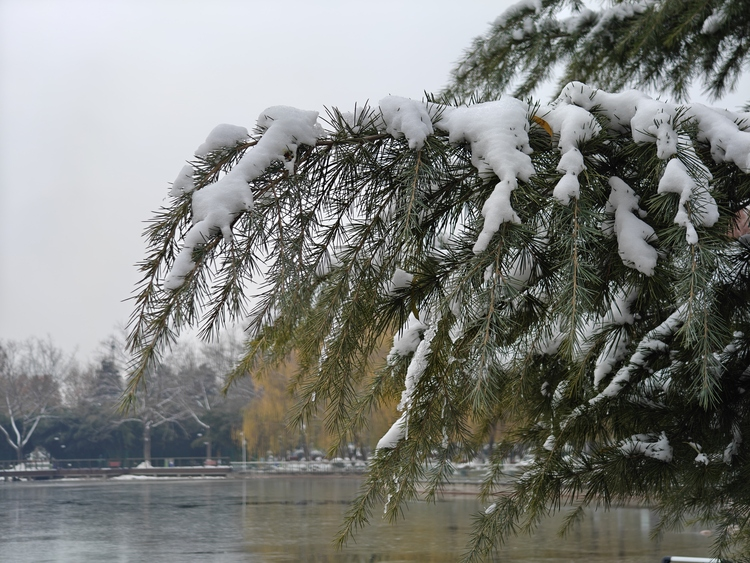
(147, 442)
(305, 445)
(16, 444)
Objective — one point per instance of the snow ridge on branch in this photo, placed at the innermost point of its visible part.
(217, 205)
(497, 133)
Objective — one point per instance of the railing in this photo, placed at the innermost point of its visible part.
(286, 467)
(110, 463)
(461, 473)
(116, 466)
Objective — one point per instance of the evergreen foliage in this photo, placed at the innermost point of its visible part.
(661, 45)
(597, 306)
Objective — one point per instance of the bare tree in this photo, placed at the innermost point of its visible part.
(200, 372)
(30, 376)
(161, 402)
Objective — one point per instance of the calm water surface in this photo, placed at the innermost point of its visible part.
(282, 519)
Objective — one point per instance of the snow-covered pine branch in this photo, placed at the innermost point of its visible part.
(529, 262)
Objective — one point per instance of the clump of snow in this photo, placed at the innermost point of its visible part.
(729, 143)
(217, 205)
(652, 342)
(417, 366)
(653, 121)
(519, 272)
(516, 10)
(701, 457)
(633, 234)
(361, 114)
(559, 393)
(693, 191)
(407, 118)
(733, 447)
(713, 23)
(620, 310)
(574, 125)
(528, 27)
(620, 12)
(414, 372)
(619, 108)
(407, 339)
(549, 443)
(498, 135)
(183, 184)
(649, 445)
(399, 281)
(616, 347)
(223, 135)
(550, 341)
(394, 435)
(649, 120)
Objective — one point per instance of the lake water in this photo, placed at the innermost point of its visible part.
(282, 519)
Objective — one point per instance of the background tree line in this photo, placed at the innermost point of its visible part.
(52, 401)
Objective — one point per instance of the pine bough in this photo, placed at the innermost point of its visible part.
(577, 273)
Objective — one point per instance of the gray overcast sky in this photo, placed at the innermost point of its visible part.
(101, 102)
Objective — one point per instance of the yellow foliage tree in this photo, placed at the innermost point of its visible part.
(268, 430)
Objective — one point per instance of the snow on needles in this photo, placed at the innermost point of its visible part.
(652, 343)
(498, 135)
(653, 121)
(676, 179)
(574, 126)
(616, 346)
(216, 205)
(517, 9)
(649, 445)
(221, 136)
(224, 135)
(414, 372)
(406, 118)
(633, 234)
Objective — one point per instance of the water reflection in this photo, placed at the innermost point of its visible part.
(284, 519)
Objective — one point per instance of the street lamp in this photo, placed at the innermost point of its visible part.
(244, 450)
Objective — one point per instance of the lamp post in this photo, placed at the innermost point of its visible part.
(244, 450)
